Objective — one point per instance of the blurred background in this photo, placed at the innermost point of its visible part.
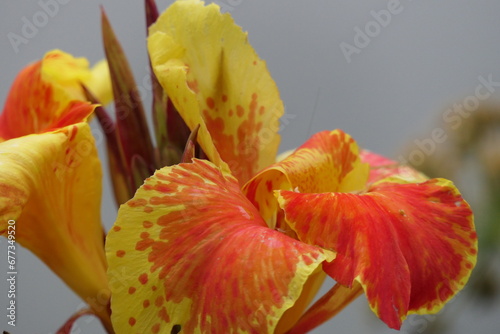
(418, 81)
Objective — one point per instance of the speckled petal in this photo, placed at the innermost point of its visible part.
(190, 252)
(214, 77)
(411, 246)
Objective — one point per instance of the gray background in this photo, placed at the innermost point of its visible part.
(391, 93)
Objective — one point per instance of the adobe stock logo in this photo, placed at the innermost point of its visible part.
(363, 37)
(31, 26)
(453, 118)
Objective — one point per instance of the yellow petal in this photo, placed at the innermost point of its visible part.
(99, 82)
(214, 77)
(50, 185)
(69, 73)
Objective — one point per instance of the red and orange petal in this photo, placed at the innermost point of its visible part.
(198, 257)
(328, 161)
(411, 246)
(228, 91)
(382, 167)
(38, 103)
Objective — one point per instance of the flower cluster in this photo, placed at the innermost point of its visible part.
(214, 234)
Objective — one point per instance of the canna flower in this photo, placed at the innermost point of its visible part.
(50, 179)
(376, 221)
(242, 243)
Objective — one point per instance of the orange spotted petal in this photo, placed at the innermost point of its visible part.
(214, 77)
(382, 167)
(50, 185)
(40, 101)
(190, 252)
(328, 161)
(411, 246)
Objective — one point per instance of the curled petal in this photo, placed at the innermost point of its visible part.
(228, 91)
(328, 161)
(189, 252)
(411, 246)
(50, 185)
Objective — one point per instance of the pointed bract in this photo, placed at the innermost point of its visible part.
(123, 188)
(151, 12)
(131, 126)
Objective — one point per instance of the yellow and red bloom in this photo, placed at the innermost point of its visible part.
(50, 179)
(411, 246)
(241, 243)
